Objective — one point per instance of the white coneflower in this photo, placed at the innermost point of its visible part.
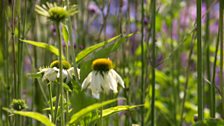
(54, 12)
(103, 78)
(52, 73)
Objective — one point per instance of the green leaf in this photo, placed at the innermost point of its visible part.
(46, 46)
(159, 105)
(34, 75)
(210, 122)
(65, 34)
(101, 53)
(66, 87)
(92, 48)
(104, 52)
(75, 117)
(162, 78)
(116, 109)
(34, 115)
(109, 111)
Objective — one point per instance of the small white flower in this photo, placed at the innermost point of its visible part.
(54, 12)
(103, 78)
(53, 72)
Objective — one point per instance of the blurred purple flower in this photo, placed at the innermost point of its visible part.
(184, 18)
(184, 59)
(203, 12)
(214, 28)
(159, 61)
(217, 77)
(133, 27)
(27, 64)
(175, 29)
(124, 8)
(214, 14)
(110, 31)
(53, 30)
(132, 12)
(115, 7)
(93, 8)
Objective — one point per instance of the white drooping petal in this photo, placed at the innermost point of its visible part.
(42, 70)
(96, 83)
(91, 82)
(118, 78)
(50, 74)
(64, 73)
(105, 82)
(96, 95)
(112, 82)
(71, 72)
(87, 81)
(78, 71)
(100, 81)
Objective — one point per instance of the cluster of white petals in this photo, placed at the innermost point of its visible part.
(52, 74)
(102, 81)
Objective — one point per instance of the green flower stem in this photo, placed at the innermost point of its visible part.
(143, 64)
(101, 116)
(67, 107)
(153, 60)
(51, 102)
(4, 39)
(20, 48)
(187, 80)
(73, 51)
(199, 64)
(60, 71)
(221, 53)
(42, 91)
(172, 71)
(13, 51)
(208, 50)
(212, 97)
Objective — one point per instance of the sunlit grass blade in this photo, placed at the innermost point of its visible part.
(116, 109)
(92, 48)
(34, 115)
(112, 110)
(90, 108)
(210, 122)
(43, 45)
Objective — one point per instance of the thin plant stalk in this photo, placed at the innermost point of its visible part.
(60, 71)
(51, 102)
(208, 48)
(142, 62)
(199, 64)
(6, 59)
(213, 104)
(70, 29)
(20, 48)
(36, 88)
(5, 63)
(187, 80)
(101, 116)
(13, 51)
(221, 53)
(153, 60)
(67, 106)
(19, 55)
(104, 19)
(172, 71)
